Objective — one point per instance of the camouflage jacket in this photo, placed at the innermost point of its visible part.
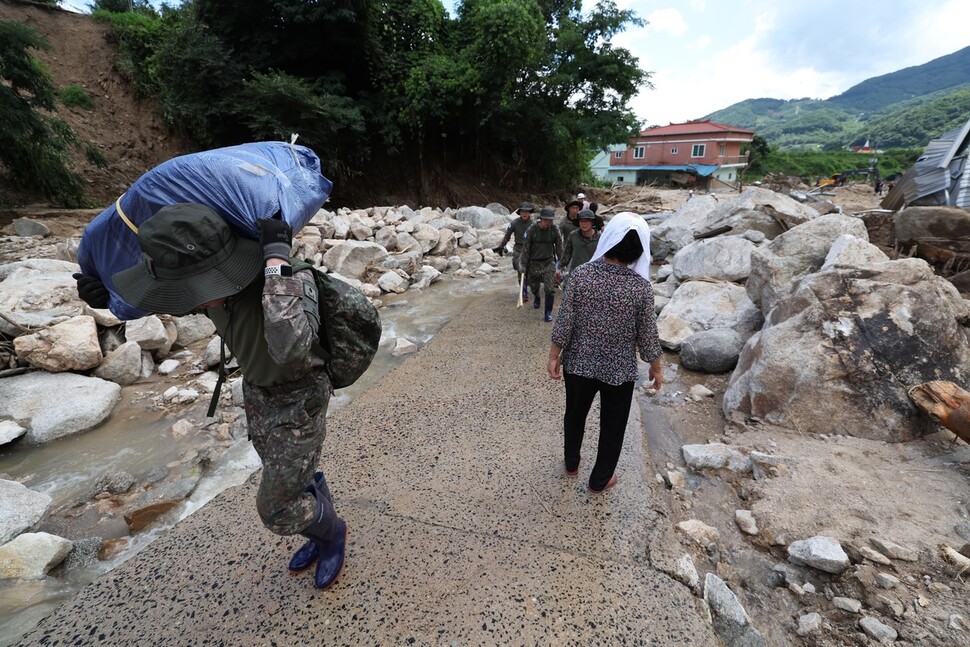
(268, 331)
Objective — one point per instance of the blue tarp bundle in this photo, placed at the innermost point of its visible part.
(242, 183)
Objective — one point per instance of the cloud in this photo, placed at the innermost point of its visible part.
(667, 20)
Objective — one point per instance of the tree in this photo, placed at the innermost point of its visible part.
(33, 145)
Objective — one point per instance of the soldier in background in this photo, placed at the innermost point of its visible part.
(580, 245)
(268, 315)
(518, 227)
(540, 258)
(570, 221)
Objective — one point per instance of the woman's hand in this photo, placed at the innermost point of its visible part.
(554, 368)
(656, 373)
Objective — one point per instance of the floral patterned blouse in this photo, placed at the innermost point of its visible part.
(607, 315)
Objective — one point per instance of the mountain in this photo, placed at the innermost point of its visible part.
(900, 109)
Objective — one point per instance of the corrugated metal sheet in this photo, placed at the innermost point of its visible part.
(937, 176)
(702, 170)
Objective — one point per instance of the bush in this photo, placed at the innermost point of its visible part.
(75, 96)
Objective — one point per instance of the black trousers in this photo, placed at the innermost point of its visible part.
(614, 410)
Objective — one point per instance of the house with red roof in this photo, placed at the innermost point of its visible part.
(698, 154)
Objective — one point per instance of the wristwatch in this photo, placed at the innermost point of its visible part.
(278, 270)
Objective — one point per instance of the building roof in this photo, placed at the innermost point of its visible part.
(693, 128)
(702, 170)
(937, 171)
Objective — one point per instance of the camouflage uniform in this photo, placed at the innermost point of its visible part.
(286, 390)
(542, 249)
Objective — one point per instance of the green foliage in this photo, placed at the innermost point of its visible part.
(76, 96)
(140, 34)
(811, 166)
(33, 146)
(916, 126)
(276, 105)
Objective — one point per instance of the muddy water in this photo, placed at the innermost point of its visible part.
(137, 440)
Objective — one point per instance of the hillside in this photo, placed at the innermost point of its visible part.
(886, 110)
(128, 133)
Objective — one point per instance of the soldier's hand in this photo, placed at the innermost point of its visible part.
(276, 237)
(500, 250)
(92, 291)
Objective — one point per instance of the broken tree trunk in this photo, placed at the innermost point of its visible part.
(946, 403)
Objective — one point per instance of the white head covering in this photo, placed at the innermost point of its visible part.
(616, 229)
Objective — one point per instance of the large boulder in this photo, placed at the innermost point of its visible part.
(850, 251)
(447, 243)
(480, 217)
(122, 365)
(426, 235)
(701, 305)
(726, 258)
(711, 351)
(37, 292)
(52, 405)
(797, 252)
(353, 258)
(71, 345)
(31, 555)
(759, 209)
(944, 227)
(677, 230)
(839, 353)
(21, 509)
(148, 332)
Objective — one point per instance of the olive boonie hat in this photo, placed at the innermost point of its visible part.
(547, 213)
(189, 256)
(574, 203)
(587, 214)
(526, 206)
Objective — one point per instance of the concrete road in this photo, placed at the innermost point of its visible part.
(463, 528)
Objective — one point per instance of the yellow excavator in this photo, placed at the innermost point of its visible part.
(839, 179)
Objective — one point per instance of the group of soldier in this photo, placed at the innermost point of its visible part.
(545, 253)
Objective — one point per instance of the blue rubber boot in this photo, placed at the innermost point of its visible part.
(550, 301)
(305, 557)
(536, 302)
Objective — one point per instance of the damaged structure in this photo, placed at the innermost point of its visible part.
(938, 178)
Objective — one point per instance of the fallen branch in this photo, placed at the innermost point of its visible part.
(946, 403)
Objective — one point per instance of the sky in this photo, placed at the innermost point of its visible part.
(705, 55)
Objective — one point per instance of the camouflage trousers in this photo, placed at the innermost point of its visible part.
(541, 272)
(287, 424)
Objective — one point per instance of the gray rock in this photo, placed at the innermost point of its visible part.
(850, 251)
(963, 529)
(31, 555)
(699, 305)
(725, 258)
(886, 581)
(37, 292)
(212, 355)
(746, 522)
(10, 431)
(933, 224)
(56, 404)
(403, 346)
(847, 604)
(809, 623)
(480, 217)
(68, 346)
(878, 631)
(896, 323)
(168, 366)
(894, 550)
(28, 227)
(795, 253)
(114, 481)
(193, 328)
(148, 332)
(21, 509)
(122, 365)
(497, 208)
(711, 351)
(715, 456)
(424, 277)
(83, 553)
(353, 258)
(392, 282)
(386, 237)
(820, 552)
(685, 572)
(731, 621)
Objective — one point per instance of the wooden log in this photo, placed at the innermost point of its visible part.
(946, 403)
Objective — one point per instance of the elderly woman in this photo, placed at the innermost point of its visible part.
(607, 316)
